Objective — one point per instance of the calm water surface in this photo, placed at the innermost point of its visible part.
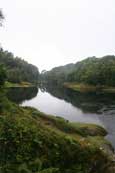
(80, 107)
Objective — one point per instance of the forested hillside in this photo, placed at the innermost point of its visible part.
(17, 69)
(94, 71)
(57, 74)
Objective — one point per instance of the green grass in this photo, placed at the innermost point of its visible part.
(90, 129)
(22, 84)
(89, 88)
(33, 142)
(67, 127)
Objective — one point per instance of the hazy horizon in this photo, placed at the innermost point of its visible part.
(53, 33)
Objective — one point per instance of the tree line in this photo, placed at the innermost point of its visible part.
(17, 69)
(93, 71)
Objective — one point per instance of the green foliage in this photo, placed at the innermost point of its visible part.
(28, 144)
(18, 70)
(57, 75)
(67, 127)
(2, 75)
(93, 71)
(5, 105)
(32, 142)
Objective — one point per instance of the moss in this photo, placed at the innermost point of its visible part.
(90, 129)
(31, 141)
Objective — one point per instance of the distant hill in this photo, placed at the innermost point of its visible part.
(94, 71)
(57, 74)
(17, 69)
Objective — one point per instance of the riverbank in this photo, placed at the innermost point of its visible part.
(89, 88)
(15, 85)
(36, 142)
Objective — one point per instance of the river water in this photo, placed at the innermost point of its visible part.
(97, 108)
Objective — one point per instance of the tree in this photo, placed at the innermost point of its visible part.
(18, 70)
(2, 75)
(93, 71)
(2, 70)
(1, 17)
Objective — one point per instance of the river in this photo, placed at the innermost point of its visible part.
(97, 108)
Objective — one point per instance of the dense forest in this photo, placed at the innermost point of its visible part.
(57, 74)
(17, 69)
(93, 71)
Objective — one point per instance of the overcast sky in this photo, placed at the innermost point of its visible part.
(50, 33)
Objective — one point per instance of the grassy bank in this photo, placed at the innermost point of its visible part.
(31, 141)
(22, 84)
(89, 88)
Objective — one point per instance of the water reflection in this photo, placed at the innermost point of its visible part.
(87, 102)
(96, 108)
(101, 104)
(19, 95)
